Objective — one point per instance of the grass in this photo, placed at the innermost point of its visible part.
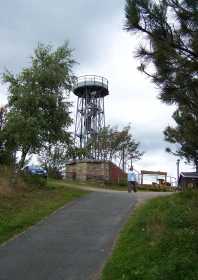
(160, 242)
(95, 184)
(19, 210)
(116, 187)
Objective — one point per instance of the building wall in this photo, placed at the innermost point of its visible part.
(77, 171)
(94, 170)
(98, 170)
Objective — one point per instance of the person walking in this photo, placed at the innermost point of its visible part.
(132, 180)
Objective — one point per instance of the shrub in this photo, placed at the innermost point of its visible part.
(34, 180)
(123, 182)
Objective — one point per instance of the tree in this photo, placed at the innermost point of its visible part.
(2, 125)
(170, 31)
(127, 148)
(55, 158)
(112, 143)
(2, 117)
(185, 134)
(38, 109)
(7, 145)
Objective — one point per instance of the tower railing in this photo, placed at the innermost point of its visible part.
(91, 80)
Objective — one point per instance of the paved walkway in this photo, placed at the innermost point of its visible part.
(71, 244)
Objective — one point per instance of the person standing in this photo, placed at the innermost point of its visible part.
(132, 180)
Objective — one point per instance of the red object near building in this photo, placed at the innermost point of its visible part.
(116, 174)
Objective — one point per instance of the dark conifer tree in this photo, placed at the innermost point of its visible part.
(170, 44)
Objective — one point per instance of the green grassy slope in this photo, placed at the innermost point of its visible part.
(160, 242)
(20, 210)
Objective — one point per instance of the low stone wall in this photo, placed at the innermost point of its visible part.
(94, 170)
(98, 170)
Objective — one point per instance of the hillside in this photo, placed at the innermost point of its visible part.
(159, 242)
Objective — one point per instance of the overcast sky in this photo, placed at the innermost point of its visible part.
(101, 46)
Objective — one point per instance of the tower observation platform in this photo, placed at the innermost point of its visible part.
(88, 84)
(90, 114)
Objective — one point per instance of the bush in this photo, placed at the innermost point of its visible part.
(123, 183)
(55, 173)
(34, 180)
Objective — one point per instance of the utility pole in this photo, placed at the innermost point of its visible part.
(123, 159)
(178, 162)
(131, 161)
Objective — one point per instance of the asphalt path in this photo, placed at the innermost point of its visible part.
(71, 244)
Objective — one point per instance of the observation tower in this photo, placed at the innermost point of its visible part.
(90, 113)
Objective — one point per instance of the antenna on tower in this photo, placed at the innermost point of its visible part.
(90, 113)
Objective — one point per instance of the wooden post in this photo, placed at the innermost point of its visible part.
(142, 178)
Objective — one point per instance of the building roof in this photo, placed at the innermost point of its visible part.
(188, 177)
(85, 161)
(189, 174)
(148, 172)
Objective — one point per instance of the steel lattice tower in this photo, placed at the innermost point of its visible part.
(90, 114)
